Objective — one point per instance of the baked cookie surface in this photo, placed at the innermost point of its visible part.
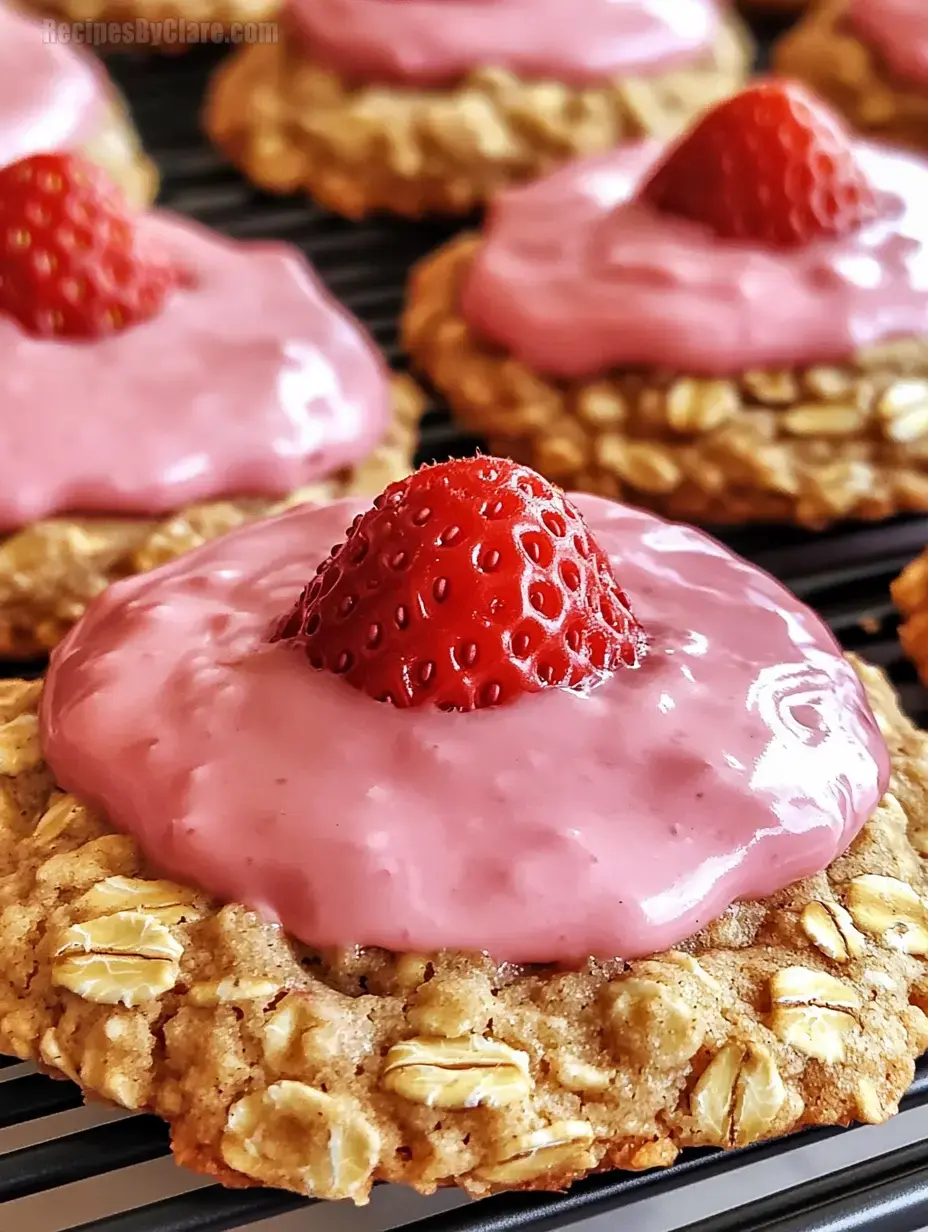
(50, 570)
(830, 55)
(292, 124)
(324, 1071)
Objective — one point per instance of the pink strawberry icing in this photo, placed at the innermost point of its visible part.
(427, 42)
(575, 276)
(898, 31)
(741, 756)
(51, 95)
(251, 382)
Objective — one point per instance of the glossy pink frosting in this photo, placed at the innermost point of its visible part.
(575, 277)
(741, 756)
(251, 382)
(428, 42)
(51, 94)
(898, 31)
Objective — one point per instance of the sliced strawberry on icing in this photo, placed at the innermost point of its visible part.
(71, 262)
(466, 585)
(771, 164)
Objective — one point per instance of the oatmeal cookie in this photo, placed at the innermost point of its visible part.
(910, 594)
(830, 57)
(294, 125)
(812, 446)
(51, 570)
(323, 1072)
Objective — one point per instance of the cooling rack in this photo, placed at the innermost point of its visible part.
(843, 574)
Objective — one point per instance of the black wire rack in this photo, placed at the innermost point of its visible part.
(844, 574)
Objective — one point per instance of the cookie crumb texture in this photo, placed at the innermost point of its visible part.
(829, 57)
(811, 446)
(323, 1072)
(292, 125)
(50, 571)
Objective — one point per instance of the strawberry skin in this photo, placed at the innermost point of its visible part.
(71, 265)
(772, 165)
(467, 584)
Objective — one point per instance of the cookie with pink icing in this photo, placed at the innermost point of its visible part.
(870, 59)
(162, 383)
(731, 328)
(514, 837)
(54, 96)
(425, 106)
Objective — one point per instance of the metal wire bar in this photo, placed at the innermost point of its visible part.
(27, 1099)
(889, 1192)
(213, 1209)
(92, 1152)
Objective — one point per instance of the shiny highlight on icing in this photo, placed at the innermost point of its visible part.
(740, 757)
(251, 381)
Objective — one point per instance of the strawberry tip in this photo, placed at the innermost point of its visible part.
(466, 586)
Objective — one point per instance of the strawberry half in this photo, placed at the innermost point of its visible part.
(466, 585)
(771, 164)
(71, 264)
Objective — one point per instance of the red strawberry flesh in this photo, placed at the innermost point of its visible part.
(771, 165)
(72, 265)
(466, 585)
